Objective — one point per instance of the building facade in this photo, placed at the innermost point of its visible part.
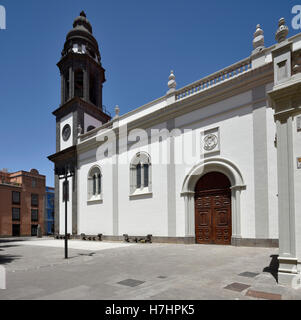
(49, 211)
(198, 165)
(22, 197)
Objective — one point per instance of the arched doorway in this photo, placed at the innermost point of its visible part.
(213, 216)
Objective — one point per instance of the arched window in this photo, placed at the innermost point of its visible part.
(95, 184)
(67, 86)
(90, 128)
(93, 89)
(141, 174)
(79, 83)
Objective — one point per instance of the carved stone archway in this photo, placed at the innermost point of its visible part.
(237, 185)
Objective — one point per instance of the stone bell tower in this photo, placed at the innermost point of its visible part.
(81, 109)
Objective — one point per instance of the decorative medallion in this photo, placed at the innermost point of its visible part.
(66, 132)
(210, 142)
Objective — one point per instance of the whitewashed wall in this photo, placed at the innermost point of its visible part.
(64, 121)
(94, 217)
(149, 214)
(90, 121)
(69, 208)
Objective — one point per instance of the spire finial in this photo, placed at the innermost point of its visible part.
(117, 111)
(282, 31)
(258, 41)
(172, 83)
(83, 14)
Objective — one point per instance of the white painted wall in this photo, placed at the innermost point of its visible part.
(62, 209)
(64, 121)
(272, 175)
(234, 119)
(94, 217)
(90, 121)
(149, 214)
(145, 214)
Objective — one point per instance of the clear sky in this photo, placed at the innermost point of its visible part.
(140, 42)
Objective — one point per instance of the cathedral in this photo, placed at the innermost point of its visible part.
(209, 163)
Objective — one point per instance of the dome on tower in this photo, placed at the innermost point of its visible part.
(80, 39)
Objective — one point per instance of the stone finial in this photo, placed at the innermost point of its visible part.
(172, 85)
(117, 111)
(282, 31)
(258, 42)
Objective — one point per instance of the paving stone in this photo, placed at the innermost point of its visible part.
(239, 287)
(263, 295)
(131, 283)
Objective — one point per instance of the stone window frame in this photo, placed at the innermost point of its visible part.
(139, 162)
(95, 185)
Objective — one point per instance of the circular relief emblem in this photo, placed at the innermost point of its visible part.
(210, 142)
(66, 132)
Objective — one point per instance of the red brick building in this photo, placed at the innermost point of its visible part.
(22, 203)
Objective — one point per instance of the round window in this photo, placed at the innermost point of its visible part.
(66, 132)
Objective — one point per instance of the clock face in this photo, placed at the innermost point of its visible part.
(66, 132)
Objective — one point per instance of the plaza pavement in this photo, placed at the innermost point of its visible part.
(36, 269)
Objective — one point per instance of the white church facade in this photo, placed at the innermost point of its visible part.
(198, 165)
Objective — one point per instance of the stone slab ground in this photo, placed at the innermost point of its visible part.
(103, 271)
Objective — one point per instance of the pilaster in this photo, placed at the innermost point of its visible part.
(286, 101)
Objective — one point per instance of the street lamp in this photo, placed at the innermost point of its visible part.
(64, 172)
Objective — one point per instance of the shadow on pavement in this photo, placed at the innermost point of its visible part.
(5, 259)
(273, 267)
(10, 240)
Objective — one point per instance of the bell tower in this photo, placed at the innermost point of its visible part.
(82, 78)
(81, 71)
(80, 110)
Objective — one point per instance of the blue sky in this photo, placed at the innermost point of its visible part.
(140, 42)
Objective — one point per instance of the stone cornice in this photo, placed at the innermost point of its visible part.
(286, 98)
(77, 57)
(75, 103)
(64, 155)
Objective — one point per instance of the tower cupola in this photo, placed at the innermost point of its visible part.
(80, 65)
(81, 40)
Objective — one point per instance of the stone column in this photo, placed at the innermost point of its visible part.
(190, 216)
(236, 219)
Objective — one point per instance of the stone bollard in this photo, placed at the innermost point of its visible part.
(39, 232)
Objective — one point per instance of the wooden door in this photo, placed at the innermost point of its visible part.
(213, 220)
